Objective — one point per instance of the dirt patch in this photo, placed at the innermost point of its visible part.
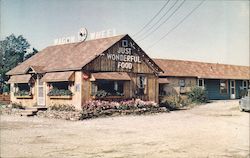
(212, 130)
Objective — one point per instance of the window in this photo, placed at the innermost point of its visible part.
(124, 43)
(142, 84)
(223, 86)
(60, 89)
(112, 88)
(61, 85)
(182, 83)
(244, 84)
(162, 91)
(22, 89)
(243, 88)
(201, 82)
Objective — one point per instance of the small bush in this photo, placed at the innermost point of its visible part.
(6, 88)
(243, 92)
(17, 106)
(99, 108)
(62, 107)
(174, 102)
(198, 95)
(60, 92)
(122, 105)
(101, 94)
(22, 93)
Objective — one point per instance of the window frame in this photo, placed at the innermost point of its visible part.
(182, 82)
(202, 82)
(17, 88)
(142, 85)
(117, 87)
(93, 88)
(55, 85)
(243, 86)
(226, 85)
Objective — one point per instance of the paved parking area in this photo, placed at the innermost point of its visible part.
(216, 129)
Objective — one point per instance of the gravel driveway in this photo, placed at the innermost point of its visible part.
(216, 130)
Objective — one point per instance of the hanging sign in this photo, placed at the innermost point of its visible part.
(85, 76)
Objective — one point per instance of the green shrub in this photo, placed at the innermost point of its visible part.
(22, 93)
(6, 88)
(243, 92)
(173, 102)
(60, 92)
(62, 107)
(17, 106)
(101, 94)
(198, 95)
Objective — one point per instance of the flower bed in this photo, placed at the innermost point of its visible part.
(23, 95)
(60, 92)
(60, 97)
(97, 108)
(92, 109)
(103, 94)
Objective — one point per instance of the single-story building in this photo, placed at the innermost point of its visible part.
(114, 68)
(220, 81)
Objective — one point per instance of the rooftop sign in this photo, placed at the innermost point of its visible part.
(84, 35)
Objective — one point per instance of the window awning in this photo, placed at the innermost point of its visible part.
(123, 76)
(58, 76)
(20, 78)
(163, 80)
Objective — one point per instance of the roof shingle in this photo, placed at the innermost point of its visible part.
(72, 56)
(182, 68)
(58, 76)
(20, 79)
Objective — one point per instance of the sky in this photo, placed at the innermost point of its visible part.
(217, 31)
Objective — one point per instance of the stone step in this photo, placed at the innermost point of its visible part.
(37, 108)
(31, 111)
(27, 114)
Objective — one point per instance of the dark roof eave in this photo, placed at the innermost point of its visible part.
(54, 70)
(202, 77)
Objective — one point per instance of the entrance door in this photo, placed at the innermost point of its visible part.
(40, 94)
(232, 89)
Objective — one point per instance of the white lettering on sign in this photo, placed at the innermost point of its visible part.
(103, 34)
(64, 40)
(124, 56)
(122, 50)
(125, 65)
(127, 58)
(83, 34)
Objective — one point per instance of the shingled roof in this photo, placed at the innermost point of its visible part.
(182, 68)
(65, 57)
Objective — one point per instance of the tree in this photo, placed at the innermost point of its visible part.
(13, 50)
(28, 55)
